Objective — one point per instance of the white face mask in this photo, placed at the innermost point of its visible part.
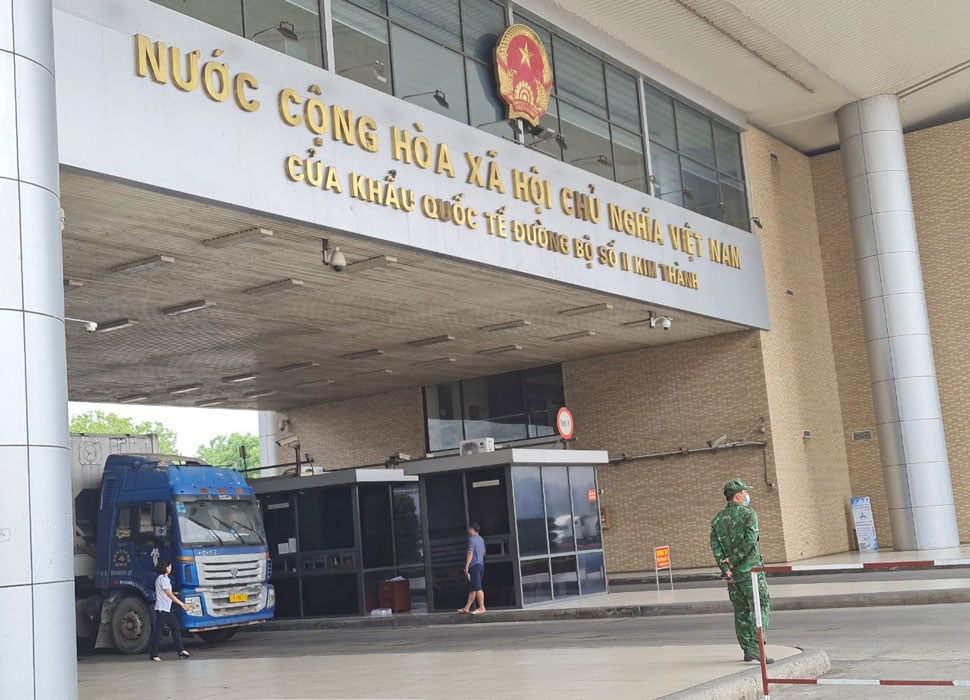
(747, 500)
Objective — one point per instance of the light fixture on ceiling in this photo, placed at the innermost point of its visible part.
(229, 239)
(260, 393)
(507, 325)
(333, 259)
(637, 324)
(601, 159)
(287, 285)
(369, 263)
(188, 307)
(591, 309)
(286, 30)
(212, 402)
(144, 264)
(436, 361)
(373, 352)
(236, 378)
(187, 389)
(70, 284)
(424, 342)
(317, 382)
(573, 336)
(378, 69)
(500, 350)
(298, 367)
(116, 325)
(134, 398)
(384, 371)
(438, 95)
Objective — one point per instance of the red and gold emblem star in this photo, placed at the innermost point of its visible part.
(524, 74)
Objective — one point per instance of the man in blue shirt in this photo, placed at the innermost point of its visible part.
(475, 571)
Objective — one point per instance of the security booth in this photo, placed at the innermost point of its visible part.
(344, 542)
(539, 515)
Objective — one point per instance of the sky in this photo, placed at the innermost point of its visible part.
(193, 426)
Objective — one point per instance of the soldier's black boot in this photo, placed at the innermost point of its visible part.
(754, 657)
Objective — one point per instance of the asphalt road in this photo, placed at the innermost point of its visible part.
(916, 642)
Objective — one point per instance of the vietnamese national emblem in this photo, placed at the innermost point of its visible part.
(524, 74)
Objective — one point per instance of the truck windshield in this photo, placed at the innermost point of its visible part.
(211, 523)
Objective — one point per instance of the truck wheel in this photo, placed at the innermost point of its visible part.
(219, 636)
(131, 625)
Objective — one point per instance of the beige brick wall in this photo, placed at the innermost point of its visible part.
(799, 363)
(358, 432)
(939, 173)
(665, 398)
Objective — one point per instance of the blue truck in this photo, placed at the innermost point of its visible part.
(151, 507)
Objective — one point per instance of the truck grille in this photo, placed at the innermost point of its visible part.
(231, 570)
(217, 602)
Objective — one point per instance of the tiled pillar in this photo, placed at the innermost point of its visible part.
(901, 368)
(37, 638)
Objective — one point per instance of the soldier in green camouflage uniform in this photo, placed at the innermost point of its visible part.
(734, 542)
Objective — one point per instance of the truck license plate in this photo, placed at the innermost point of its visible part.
(238, 597)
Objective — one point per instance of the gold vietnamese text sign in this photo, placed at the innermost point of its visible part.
(187, 72)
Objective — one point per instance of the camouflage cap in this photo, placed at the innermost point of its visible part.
(734, 487)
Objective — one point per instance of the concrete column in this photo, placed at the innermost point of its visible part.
(37, 638)
(901, 368)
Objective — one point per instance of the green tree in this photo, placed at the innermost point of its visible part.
(223, 450)
(101, 423)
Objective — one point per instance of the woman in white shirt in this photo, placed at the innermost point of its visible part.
(163, 613)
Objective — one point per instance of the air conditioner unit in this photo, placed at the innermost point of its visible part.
(474, 447)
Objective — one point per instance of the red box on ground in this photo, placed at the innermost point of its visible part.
(395, 595)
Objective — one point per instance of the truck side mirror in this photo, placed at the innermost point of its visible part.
(159, 514)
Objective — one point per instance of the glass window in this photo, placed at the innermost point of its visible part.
(735, 202)
(360, 46)
(493, 407)
(529, 513)
(375, 526)
(592, 573)
(621, 93)
(550, 120)
(536, 585)
(694, 135)
(700, 189)
(559, 514)
(263, 25)
(212, 523)
(446, 506)
(278, 520)
(543, 388)
(225, 14)
(436, 19)
(482, 23)
(427, 74)
(408, 539)
(579, 77)
(666, 175)
(727, 148)
(378, 6)
(565, 581)
(586, 512)
(442, 406)
(326, 519)
(486, 110)
(123, 524)
(660, 117)
(628, 160)
(587, 140)
(488, 503)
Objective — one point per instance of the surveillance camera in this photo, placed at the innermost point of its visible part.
(338, 263)
(291, 441)
(90, 326)
(666, 324)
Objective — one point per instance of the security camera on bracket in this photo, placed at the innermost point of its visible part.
(665, 321)
(333, 259)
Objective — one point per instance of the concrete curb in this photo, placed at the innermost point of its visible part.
(746, 685)
(887, 598)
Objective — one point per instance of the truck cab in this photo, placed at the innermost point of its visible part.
(205, 520)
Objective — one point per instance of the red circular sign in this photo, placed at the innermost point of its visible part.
(565, 423)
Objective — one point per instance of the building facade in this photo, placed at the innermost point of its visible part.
(392, 226)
